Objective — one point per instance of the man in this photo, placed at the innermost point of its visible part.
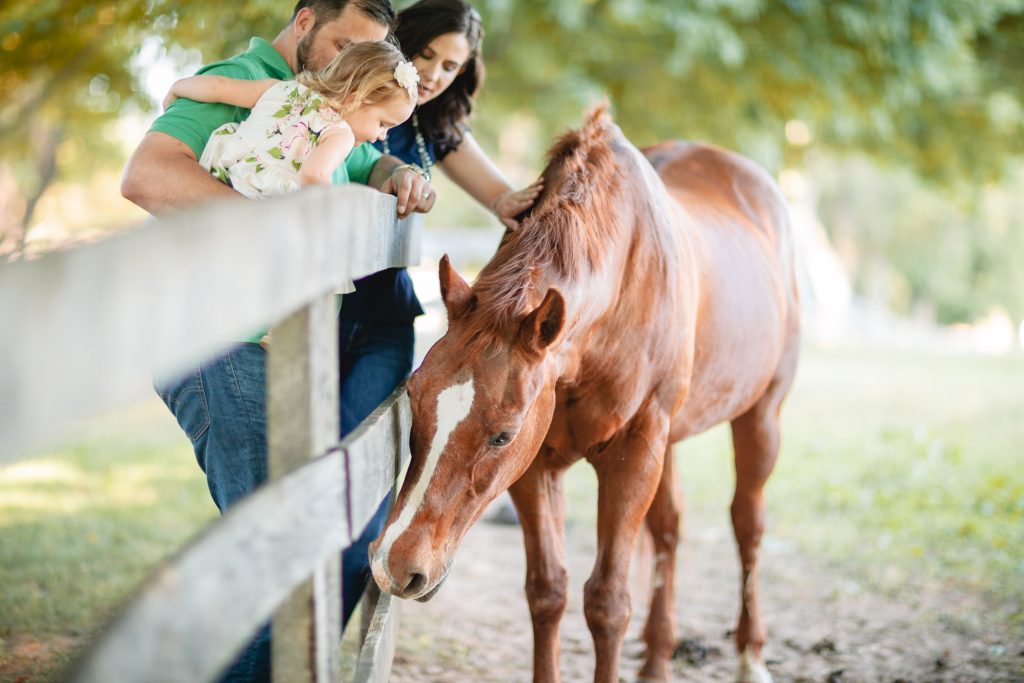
(164, 172)
(222, 406)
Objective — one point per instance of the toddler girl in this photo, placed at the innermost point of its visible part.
(300, 131)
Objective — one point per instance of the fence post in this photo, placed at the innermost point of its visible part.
(303, 422)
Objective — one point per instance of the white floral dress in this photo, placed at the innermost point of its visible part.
(262, 155)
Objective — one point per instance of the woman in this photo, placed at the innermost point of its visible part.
(443, 39)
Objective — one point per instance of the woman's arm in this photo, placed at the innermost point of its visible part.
(474, 172)
(334, 145)
(209, 88)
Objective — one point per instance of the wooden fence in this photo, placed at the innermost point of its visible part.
(87, 328)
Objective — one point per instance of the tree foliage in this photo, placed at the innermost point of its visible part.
(915, 249)
(933, 86)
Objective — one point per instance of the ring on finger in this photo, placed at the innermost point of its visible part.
(426, 193)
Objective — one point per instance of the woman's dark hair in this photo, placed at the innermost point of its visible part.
(442, 120)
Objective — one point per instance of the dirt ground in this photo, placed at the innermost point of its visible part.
(823, 626)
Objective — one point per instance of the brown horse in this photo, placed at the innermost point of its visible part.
(641, 302)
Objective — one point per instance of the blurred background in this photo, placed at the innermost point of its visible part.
(895, 127)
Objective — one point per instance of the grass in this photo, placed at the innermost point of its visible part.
(81, 525)
(909, 464)
(894, 464)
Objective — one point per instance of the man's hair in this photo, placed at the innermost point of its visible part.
(380, 11)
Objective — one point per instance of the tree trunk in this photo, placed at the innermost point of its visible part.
(46, 171)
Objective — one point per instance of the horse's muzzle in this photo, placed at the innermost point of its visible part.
(411, 584)
(437, 586)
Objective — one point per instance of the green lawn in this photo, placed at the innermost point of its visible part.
(893, 463)
(80, 526)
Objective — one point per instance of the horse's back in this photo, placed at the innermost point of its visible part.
(704, 177)
(748, 315)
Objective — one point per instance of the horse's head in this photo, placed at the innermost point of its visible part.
(482, 401)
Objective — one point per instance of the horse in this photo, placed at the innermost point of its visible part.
(645, 298)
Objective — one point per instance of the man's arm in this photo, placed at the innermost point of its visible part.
(164, 174)
(413, 191)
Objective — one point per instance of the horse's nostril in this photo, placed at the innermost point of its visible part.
(417, 582)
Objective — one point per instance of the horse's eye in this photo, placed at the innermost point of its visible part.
(501, 439)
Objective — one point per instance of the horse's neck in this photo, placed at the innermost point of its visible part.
(651, 274)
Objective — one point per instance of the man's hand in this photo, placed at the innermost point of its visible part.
(413, 191)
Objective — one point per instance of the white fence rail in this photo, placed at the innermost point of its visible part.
(84, 326)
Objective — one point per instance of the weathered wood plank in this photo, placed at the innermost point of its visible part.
(191, 618)
(87, 327)
(302, 386)
(378, 648)
(327, 603)
(375, 453)
(303, 419)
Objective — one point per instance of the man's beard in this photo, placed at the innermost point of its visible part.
(304, 49)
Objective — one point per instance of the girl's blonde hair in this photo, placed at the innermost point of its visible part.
(365, 70)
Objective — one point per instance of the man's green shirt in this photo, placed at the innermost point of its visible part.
(194, 122)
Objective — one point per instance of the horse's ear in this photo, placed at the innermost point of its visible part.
(455, 292)
(541, 328)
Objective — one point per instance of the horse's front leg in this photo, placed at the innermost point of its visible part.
(628, 471)
(541, 506)
(663, 523)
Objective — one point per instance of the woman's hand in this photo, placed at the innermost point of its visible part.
(510, 204)
(413, 191)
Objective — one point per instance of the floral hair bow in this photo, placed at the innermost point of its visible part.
(407, 77)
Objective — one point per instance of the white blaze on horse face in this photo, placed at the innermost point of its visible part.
(453, 405)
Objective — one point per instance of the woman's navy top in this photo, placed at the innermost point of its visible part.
(388, 296)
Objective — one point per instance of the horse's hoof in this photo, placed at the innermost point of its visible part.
(752, 670)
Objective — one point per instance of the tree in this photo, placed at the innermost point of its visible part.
(68, 75)
(933, 85)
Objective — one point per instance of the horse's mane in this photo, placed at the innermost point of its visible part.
(568, 229)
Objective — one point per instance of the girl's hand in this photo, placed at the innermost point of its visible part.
(171, 96)
(509, 205)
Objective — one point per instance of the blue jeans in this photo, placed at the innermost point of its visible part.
(221, 406)
(374, 359)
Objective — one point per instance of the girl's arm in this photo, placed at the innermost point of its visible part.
(209, 88)
(475, 173)
(334, 145)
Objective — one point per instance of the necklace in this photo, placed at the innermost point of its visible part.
(421, 146)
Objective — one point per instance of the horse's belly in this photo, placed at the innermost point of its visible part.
(740, 338)
(723, 393)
